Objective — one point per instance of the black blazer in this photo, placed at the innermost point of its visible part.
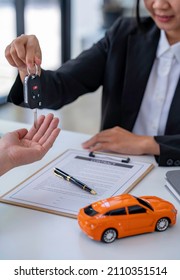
(120, 62)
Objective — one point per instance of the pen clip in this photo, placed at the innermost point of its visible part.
(124, 160)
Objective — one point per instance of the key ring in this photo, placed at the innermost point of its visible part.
(32, 74)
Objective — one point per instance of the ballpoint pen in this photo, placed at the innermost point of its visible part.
(71, 179)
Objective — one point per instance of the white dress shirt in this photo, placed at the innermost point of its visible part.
(160, 89)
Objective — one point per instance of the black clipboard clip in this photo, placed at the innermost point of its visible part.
(124, 160)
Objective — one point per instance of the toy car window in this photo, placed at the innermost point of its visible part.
(90, 211)
(116, 212)
(136, 209)
(145, 203)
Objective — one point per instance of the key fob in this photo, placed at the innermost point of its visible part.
(32, 91)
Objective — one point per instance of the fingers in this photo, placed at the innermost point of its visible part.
(33, 131)
(49, 123)
(90, 143)
(103, 146)
(13, 138)
(48, 143)
(98, 147)
(9, 57)
(24, 52)
(46, 126)
(49, 135)
(39, 141)
(16, 52)
(100, 137)
(33, 52)
(21, 133)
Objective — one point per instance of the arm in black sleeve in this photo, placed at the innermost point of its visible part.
(76, 77)
(169, 150)
(73, 79)
(16, 93)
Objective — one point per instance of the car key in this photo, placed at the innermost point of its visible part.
(32, 93)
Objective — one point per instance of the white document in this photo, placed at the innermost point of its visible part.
(104, 173)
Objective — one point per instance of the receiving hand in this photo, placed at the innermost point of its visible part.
(122, 141)
(22, 146)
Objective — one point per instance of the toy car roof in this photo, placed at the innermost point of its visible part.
(119, 200)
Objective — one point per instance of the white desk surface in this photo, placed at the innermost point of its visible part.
(28, 234)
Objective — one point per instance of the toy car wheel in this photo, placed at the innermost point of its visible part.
(162, 224)
(109, 235)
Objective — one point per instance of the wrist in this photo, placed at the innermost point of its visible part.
(150, 146)
(5, 161)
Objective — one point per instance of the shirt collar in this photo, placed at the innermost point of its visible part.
(165, 47)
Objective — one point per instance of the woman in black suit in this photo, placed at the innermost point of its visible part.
(138, 64)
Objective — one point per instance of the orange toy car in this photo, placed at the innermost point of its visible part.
(126, 215)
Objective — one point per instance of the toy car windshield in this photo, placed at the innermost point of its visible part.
(90, 211)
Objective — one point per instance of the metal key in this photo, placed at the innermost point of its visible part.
(32, 93)
(35, 117)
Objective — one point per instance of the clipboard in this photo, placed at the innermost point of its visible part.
(108, 174)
